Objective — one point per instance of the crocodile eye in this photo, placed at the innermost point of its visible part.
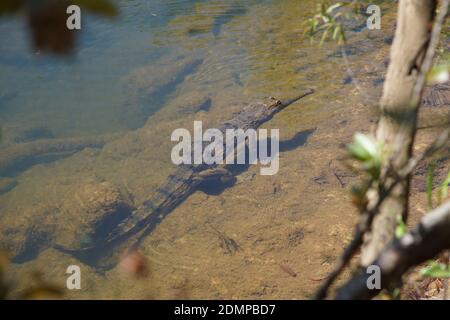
(275, 104)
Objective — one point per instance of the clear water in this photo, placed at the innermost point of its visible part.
(84, 94)
(149, 68)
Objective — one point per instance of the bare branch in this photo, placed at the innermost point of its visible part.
(438, 144)
(427, 239)
(369, 214)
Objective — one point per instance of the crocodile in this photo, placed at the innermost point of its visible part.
(178, 187)
(437, 95)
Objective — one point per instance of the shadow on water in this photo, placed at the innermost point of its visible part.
(25, 163)
(35, 243)
(226, 17)
(7, 184)
(212, 187)
(206, 105)
(157, 99)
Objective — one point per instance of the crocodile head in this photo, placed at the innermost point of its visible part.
(274, 106)
(256, 114)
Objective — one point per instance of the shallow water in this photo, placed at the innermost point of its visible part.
(83, 94)
(159, 66)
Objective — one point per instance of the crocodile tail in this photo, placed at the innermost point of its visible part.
(133, 221)
(165, 198)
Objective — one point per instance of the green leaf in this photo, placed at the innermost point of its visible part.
(436, 270)
(358, 152)
(326, 18)
(334, 7)
(439, 74)
(324, 36)
(367, 143)
(336, 32)
(326, 21)
(365, 149)
(443, 189)
(401, 228)
(315, 24)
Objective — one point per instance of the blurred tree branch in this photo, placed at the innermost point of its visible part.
(424, 242)
(47, 20)
(373, 209)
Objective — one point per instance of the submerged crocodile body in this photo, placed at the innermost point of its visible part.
(179, 186)
(437, 95)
